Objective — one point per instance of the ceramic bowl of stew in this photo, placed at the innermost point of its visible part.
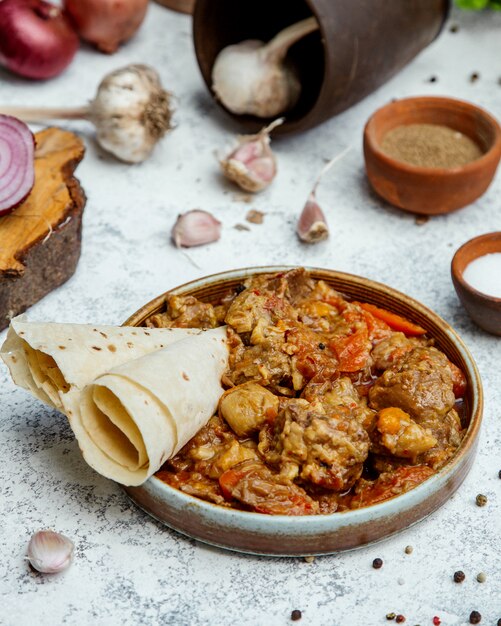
(427, 190)
(283, 535)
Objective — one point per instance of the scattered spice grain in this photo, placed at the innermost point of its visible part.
(454, 28)
(499, 474)
(475, 617)
(459, 576)
(474, 77)
(430, 145)
(241, 227)
(436, 621)
(400, 619)
(390, 616)
(409, 549)
(255, 217)
(309, 559)
(421, 219)
(481, 577)
(321, 346)
(432, 79)
(481, 500)
(377, 563)
(296, 615)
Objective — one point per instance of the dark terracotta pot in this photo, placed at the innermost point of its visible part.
(360, 46)
(183, 6)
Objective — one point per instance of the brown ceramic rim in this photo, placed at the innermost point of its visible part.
(352, 529)
(439, 101)
(458, 273)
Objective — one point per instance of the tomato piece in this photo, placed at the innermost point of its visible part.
(458, 381)
(352, 351)
(394, 321)
(390, 484)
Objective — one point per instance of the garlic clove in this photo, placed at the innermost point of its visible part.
(312, 225)
(252, 164)
(50, 552)
(131, 112)
(195, 228)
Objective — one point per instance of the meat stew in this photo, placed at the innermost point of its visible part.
(330, 404)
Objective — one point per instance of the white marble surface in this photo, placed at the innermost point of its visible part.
(128, 568)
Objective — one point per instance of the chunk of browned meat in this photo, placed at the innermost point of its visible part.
(194, 484)
(420, 383)
(254, 485)
(326, 449)
(253, 305)
(246, 407)
(341, 393)
(392, 349)
(185, 312)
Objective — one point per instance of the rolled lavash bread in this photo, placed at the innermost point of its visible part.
(51, 360)
(133, 418)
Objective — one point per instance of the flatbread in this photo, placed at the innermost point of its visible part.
(50, 360)
(130, 420)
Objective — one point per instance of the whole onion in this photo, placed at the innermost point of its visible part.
(106, 23)
(36, 40)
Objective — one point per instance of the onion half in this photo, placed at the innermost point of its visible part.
(17, 163)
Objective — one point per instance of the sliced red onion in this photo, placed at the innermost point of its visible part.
(17, 163)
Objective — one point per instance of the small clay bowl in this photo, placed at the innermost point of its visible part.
(484, 310)
(281, 535)
(432, 191)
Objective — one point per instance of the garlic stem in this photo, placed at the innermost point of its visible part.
(328, 166)
(28, 114)
(277, 48)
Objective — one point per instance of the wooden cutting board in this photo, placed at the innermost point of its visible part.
(40, 240)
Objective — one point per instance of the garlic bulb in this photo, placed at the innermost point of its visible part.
(252, 164)
(254, 78)
(312, 225)
(195, 228)
(131, 112)
(50, 552)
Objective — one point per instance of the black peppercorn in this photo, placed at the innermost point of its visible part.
(240, 288)
(474, 77)
(459, 576)
(475, 617)
(433, 79)
(499, 473)
(321, 346)
(377, 563)
(296, 615)
(390, 616)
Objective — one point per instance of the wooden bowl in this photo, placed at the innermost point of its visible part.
(360, 46)
(318, 534)
(183, 6)
(426, 190)
(484, 310)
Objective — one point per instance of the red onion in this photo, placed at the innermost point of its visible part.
(106, 23)
(17, 168)
(36, 41)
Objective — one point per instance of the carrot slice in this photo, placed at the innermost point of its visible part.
(394, 321)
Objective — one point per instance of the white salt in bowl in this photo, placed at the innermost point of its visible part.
(484, 309)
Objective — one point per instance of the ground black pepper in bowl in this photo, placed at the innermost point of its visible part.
(430, 145)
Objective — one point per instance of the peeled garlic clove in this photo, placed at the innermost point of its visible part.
(50, 552)
(195, 228)
(252, 164)
(312, 225)
(131, 112)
